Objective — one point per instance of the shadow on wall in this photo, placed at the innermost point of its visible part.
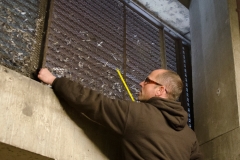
(107, 141)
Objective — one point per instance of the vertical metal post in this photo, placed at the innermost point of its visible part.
(238, 10)
(163, 48)
(180, 69)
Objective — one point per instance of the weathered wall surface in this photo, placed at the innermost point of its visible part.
(215, 61)
(171, 12)
(224, 147)
(33, 119)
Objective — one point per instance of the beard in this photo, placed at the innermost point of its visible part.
(141, 97)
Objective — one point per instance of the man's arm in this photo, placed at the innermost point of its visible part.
(108, 112)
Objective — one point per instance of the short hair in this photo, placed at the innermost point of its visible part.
(173, 83)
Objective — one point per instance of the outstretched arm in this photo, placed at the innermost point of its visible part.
(46, 76)
(108, 112)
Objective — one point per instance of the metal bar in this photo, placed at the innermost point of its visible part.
(163, 48)
(187, 51)
(238, 10)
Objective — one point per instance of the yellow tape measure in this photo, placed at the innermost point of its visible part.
(129, 93)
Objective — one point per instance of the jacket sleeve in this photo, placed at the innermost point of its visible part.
(108, 112)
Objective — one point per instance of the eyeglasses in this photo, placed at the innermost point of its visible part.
(148, 81)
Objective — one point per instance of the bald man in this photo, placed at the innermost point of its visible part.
(153, 129)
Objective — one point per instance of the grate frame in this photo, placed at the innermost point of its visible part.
(22, 34)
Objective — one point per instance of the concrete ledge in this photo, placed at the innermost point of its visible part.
(32, 118)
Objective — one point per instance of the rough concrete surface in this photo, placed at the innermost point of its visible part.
(171, 12)
(214, 87)
(215, 65)
(32, 119)
(235, 26)
(224, 147)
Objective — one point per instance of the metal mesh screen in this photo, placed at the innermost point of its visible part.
(86, 40)
(171, 58)
(85, 43)
(21, 28)
(142, 49)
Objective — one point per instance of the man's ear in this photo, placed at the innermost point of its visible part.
(159, 91)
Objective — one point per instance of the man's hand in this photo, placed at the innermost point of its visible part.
(46, 76)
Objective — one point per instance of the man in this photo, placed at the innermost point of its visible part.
(153, 129)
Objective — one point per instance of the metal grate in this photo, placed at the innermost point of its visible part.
(171, 57)
(22, 24)
(142, 49)
(85, 43)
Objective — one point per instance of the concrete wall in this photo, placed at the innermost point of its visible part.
(215, 67)
(35, 126)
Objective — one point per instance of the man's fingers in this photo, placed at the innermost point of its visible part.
(41, 72)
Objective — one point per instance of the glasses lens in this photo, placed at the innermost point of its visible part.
(147, 80)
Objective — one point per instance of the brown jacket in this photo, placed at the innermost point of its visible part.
(154, 130)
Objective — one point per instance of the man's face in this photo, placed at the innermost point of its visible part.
(151, 88)
(146, 92)
(148, 88)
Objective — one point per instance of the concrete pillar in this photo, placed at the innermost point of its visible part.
(35, 126)
(215, 61)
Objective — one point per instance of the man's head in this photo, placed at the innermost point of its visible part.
(161, 83)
